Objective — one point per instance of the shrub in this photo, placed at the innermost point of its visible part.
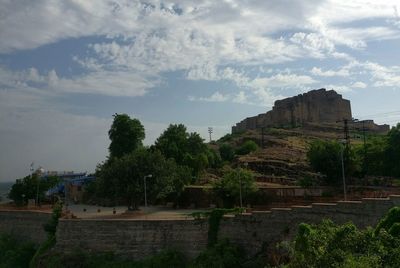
(226, 151)
(222, 254)
(247, 147)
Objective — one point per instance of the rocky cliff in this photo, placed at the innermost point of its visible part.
(316, 106)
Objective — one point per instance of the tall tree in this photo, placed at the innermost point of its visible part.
(325, 157)
(185, 148)
(393, 151)
(126, 135)
(172, 143)
(234, 183)
(26, 188)
(124, 177)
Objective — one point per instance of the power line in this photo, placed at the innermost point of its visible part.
(378, 114)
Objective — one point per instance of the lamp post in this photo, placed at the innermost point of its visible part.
(145, 190)
(343, 175)
(240, 186)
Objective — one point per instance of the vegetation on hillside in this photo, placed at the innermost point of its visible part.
(380, 156)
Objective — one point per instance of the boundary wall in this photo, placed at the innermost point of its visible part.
(140, 238)
(24, 224)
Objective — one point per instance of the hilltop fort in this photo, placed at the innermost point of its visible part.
(319, 106)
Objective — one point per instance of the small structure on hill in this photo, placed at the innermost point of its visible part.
(314, 107)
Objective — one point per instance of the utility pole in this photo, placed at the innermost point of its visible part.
(365, 144)
(365, 148)
(210, 130)
(262, 137)
(343, 175)
(344, 154)
(145, 189)
(346, 131)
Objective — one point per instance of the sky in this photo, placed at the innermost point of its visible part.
(67, 66)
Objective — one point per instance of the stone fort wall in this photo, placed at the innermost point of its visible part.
(141, 238)
(316, 106)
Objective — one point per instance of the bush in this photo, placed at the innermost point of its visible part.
(222, 254)
(14, 253)
(228, 188)
(80, 258)
(247, 147)
(226, 152)
(330, 245)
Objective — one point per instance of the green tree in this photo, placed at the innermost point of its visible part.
(26, 188)
(227, 152)
(185, 148)
(124, 178)
(325, 157)
(222, 254)
(392, 152)
(14, 252)
(126, 135)
(214, 159)
(373, 155)
(247, 147)
(228, 187)
(172, 143)
(331, 245)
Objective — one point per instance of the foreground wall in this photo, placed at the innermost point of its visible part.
(27, 225)
(260, 229)
(133, 238)
(140, 238)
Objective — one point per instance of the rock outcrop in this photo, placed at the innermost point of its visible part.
(314, 107)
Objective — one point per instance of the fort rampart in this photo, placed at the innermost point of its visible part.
(141, 238)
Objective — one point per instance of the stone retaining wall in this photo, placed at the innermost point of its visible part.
(140, 238)
(133, 238)
(27, 225)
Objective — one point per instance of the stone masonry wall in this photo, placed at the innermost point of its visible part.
(252, 231)
(140, 238)
(24, 224)
(133, 238)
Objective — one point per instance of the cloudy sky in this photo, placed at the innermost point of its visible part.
(67, 66)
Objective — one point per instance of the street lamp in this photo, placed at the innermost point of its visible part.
(145, 190)
(240, 186)
(344, 179)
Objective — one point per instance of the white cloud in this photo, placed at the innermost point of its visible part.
(315, 44)
(282, 80)
(383, 76)
(241, 97)
(359, 84)
(201, 38)
(329, 73)
(339, 88)
(215, 97)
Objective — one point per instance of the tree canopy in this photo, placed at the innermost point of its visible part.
(325, 157)
(124, 177)
(185, 148)
(126, 135)
(330, 245)
(228, 188)
(393, 151)
(26, 188)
